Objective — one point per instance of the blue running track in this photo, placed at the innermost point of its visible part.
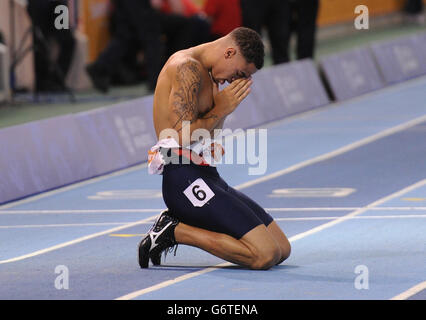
(346, 183)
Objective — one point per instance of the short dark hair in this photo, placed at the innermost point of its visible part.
(250, 44)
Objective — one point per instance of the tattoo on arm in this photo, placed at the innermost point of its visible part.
(185, 99)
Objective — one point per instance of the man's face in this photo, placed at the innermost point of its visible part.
(231, 66)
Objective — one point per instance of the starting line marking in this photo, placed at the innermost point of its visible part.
(124, 235)
(414, 199)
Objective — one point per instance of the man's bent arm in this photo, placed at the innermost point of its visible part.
(184, 99)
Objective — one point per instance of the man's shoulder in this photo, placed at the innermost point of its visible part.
(183, 63)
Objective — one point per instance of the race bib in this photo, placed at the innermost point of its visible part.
(198, 193)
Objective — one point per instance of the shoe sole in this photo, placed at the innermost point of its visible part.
(143, 256)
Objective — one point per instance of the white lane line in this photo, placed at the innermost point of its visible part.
(90, 211)
(26, 226)
(334, 153)
(346, 209)
(410, 292)
(78, 240)
(360, 211)
(339, 151)
(409, 216)
(59, 225)
(299, 236)
(328, 155)
(73, 186)
(172, 281)
(79, 211)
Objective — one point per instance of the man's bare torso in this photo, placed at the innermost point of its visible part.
(190, 100)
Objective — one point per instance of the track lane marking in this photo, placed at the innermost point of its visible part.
(60, 225)
(89, 211)
(78, 240)
(334, 153)
(276, 174)
(410, 292)
(299, 236)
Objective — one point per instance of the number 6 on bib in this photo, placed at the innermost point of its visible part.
(198, 193)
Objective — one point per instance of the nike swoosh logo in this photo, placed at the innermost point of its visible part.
(154, 236)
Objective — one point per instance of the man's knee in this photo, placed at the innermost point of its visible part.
(265, 250)
(264, 260)
(285, 253)
(281, 239)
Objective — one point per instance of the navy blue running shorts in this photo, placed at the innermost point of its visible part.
(199, 197)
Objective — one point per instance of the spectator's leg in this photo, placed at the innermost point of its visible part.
(66, 42)
(108, 61)
(414, 6)
(201, 29)
(40, 18)
(183, 32)
(278, 25)
(253, 12)
(146, 22)
(1, 38)
(307, 12)
(177, 31)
